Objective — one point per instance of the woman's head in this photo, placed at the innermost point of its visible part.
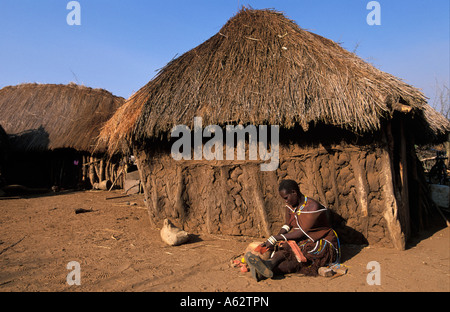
(290, 192)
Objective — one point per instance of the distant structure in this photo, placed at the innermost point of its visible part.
(53, 132)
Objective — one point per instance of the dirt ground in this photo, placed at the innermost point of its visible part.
(118, 250)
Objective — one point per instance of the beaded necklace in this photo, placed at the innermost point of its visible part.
(299, 211)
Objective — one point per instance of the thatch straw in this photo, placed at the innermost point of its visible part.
(49, 116)
(261, 68)
(434, 124)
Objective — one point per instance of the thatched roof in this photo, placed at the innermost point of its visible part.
(50, 116)
(262, 68)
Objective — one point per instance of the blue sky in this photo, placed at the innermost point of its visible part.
(120, 45)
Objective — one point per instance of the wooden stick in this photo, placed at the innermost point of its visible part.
(83, 169)
(402, 108)
(101, 170)
(14, 244)
(115, 180)
(107, 198)
(91, 162)
(91, 171)
(133, 186)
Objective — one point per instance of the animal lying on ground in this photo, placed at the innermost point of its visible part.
(172, 235)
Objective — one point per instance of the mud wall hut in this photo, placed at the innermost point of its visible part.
(53, 132)
(346, 133)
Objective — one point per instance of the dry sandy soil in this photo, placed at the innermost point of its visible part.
(118, 251)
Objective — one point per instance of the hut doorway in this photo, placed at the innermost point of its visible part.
(44, 169)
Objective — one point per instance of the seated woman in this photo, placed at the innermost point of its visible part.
(305, 243)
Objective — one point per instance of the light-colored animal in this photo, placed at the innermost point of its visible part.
(172, 235)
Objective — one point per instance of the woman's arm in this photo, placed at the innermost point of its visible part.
(287, 220)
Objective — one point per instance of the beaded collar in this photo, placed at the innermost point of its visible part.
(299, 211)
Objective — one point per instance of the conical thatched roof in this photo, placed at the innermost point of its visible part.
(49, 116)
(261, 68)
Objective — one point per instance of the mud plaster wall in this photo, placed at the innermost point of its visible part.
(237, 198)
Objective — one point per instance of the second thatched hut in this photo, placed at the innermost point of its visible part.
(53, 132)
(346, 133)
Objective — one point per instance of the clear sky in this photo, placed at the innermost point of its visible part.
(120, 45)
